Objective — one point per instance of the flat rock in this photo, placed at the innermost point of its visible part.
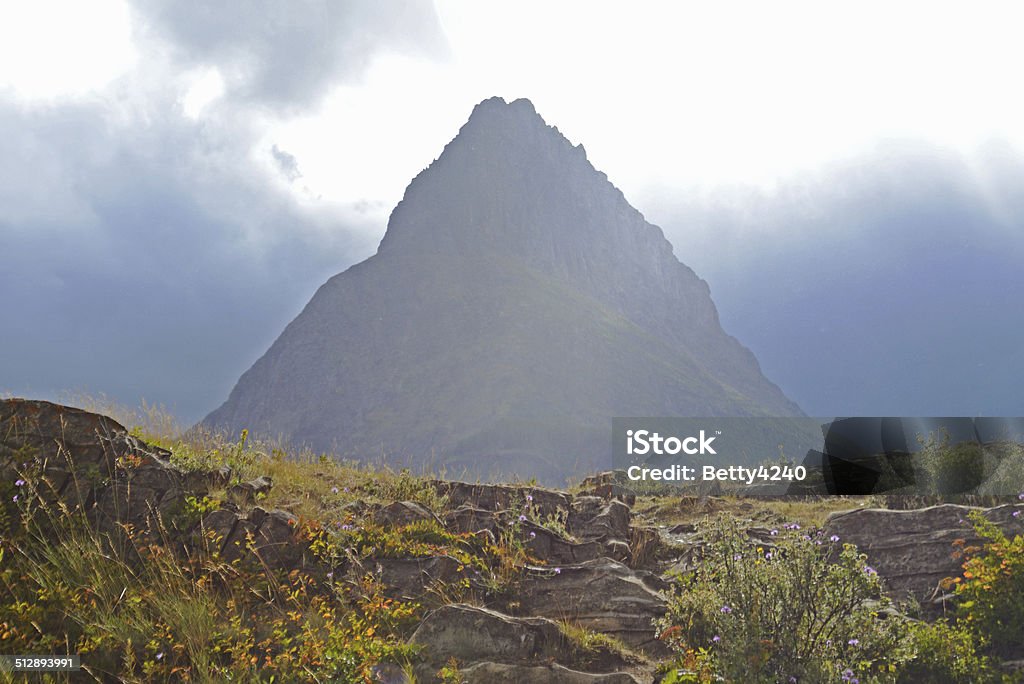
(412, 578)
(500, 673)
(913, 550)
(398, 513)
(502, 497)
(469, 518)
(471, 634)
(602, 595)
(551, 547)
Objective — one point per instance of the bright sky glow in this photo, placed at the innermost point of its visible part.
(665, 95)
(206, 87)
(682, 94)
(50, 48)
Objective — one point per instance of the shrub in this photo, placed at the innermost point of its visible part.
(805, 608)
(991, 591)
(951, 468)
(944, 654)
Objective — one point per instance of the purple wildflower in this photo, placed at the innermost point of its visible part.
(522, 518)
(1016, 514)
(15, 499)
(558, 571)
(853, 642)
(330, 574)
(774, 532)
(716, 638)
(529, 497)
(768, 556)
(834, 538)
(19, 482)
(726, 609)
(870, 570)
(738, 556)
(160, 655)
(532, 535)
(334, 490)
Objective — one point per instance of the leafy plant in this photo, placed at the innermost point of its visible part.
(991, 591)
(804, 608)
(945, 653)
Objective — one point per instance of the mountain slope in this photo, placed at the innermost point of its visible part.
(516, 303)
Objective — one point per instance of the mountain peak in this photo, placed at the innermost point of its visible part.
(499, 178)
(516, 303)
(521, 106)
(497, 119)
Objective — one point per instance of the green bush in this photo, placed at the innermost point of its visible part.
(951, 468)
(945, 654)
(991, 591)
(805, 608)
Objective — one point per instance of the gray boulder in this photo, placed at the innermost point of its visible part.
(913, 550)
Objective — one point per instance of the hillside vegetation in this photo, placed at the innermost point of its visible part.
(382, 575)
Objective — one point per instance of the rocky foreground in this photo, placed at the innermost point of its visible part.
(589, 559)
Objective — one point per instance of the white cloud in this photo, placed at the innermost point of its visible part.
(58, 48)
(205, 87)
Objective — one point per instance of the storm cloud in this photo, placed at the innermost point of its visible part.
(886, 284)
(287, 54)
(148, 254)
(156, 236)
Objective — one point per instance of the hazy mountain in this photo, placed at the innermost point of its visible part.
(515, 305)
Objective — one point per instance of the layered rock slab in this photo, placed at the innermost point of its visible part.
(913, 550)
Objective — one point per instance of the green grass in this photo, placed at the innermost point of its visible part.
(138, 612)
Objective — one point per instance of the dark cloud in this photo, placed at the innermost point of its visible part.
(149, 260)
(144, 254)
(887, 285)
(285, 53)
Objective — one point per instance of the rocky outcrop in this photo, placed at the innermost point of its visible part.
(499, 648)
(398, 513)
(602, 595)
(913, 550)
(499, 673)
(496, 497)
(91, 464)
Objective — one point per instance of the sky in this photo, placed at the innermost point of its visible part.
(177, 178)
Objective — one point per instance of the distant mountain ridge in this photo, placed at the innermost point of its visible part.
(516, 303)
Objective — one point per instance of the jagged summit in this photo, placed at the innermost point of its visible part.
(517, 302)
(506, 145)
